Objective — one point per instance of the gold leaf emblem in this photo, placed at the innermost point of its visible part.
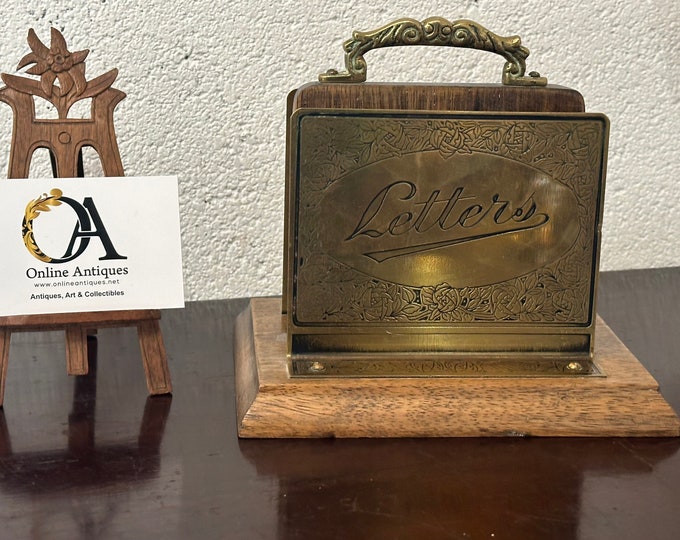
(33, 209)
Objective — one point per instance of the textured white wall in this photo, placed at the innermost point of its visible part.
(207, 82)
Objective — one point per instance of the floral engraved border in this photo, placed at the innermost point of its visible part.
(332, 292)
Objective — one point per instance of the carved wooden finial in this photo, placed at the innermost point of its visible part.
(57, 64)
(62, 82)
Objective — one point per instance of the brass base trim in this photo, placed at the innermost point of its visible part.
(443, 365)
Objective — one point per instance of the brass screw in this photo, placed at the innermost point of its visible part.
(574, 366)
(317, 367)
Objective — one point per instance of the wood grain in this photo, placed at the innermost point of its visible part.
(451, 97)
(154, 357)
(95, 318)
(76, 349)
(64, 138)
(626, 402)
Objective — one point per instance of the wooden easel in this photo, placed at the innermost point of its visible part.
(65, 138)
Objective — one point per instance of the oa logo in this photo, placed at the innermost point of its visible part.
(88, 225)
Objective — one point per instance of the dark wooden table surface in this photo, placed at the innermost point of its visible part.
(93, 457)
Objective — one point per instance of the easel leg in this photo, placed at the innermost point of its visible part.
(5, 336)
(76, 350)
(154, 357)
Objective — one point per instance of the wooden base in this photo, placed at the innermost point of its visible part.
(270, 404)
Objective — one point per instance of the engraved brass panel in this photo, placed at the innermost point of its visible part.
(414, 232)
(439, 209)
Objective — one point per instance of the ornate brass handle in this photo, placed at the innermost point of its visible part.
(435, 31)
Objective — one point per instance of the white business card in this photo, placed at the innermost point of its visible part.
(89, 244)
